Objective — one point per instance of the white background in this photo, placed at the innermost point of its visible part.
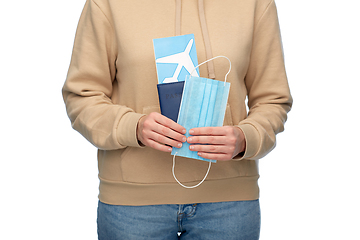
(309, 183)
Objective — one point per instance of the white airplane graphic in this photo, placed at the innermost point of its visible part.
(183, 60)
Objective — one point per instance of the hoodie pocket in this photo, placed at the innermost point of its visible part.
(147, 165)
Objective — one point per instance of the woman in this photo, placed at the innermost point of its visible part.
(111, 99)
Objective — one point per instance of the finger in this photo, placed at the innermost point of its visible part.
(216, 140)
(206, 131)
(154, 123)
(167, 122)
(164, 140)
(161, 147)
(212, 149)
(169, 133)
(215, 156)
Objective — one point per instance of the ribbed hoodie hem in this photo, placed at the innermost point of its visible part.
(135, 194)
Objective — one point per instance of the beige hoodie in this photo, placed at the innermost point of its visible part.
(112, 81)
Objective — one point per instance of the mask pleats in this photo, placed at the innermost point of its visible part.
(203, 105)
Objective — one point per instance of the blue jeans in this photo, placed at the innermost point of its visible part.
(224, 220)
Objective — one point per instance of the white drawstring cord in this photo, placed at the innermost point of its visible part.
(173, 172)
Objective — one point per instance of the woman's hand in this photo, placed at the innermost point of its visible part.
(160, 132)
(217, 143)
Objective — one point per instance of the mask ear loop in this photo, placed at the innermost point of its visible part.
(173, 167)
(189, 187)
(211, 60)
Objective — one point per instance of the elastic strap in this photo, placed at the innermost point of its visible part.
(211, 60)
(173, 172)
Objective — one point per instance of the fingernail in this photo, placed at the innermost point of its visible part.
(199, 153)
(169, 149)
(179, 145)
(183, 131)
(184, 139)
(189, 140)
(191, 131)
(191, 147)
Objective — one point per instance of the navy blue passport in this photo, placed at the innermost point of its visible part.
(170, 98)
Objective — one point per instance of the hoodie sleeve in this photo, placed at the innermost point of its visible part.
(88, 87)
(269, 97)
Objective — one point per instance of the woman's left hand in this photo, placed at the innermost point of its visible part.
(217, 143)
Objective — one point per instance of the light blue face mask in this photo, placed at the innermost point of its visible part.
(203, 104)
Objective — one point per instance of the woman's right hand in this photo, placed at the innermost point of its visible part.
(160, 132)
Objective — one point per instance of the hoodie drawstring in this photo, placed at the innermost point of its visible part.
(204, 29)
(178, 18)
(206, 37)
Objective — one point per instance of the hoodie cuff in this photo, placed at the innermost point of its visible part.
(252, 139)
(126, 131)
